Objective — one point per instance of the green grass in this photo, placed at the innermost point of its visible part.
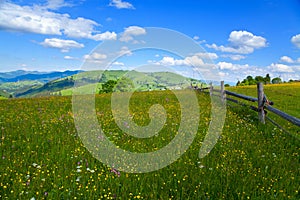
(286, 97)
(13, 87)
(41, 154)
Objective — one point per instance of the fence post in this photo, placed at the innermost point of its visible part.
(260, 97)
(223, 94)
(210, 88)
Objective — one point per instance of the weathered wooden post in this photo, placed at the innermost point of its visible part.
(223, 94)
(260, 97)
(211, 88)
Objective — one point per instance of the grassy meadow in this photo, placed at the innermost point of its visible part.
(42, 157)
(286, 97)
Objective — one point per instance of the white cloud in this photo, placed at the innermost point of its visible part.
(95, 57)
(223, 74)
(234, 56)
(55, 4)
(196, 60)
(207, 55)
(286, 59)
(296, 40)
(38, 19)
(275, 67)
(241, 42)
(63, 45)
(196, 37)
(118, 63)
(231, 66)
(130, 32)
(170, 61)
(121, 4)
(70, 58)
(83, 28)
(125, 51)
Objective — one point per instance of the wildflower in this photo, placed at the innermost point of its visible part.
(78, 170)
(116, 172)
(46, 193)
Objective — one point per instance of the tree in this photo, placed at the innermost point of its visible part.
(124, 85)
(276, 80)
(267, 79)
(108, 87)
(260, 79)
(103, 78)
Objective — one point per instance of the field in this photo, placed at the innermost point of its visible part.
(42, 156)
(286, 97)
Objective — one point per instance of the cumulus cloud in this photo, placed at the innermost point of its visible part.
(70, 58)
(296, 40)
(124, 51)
(95, 57)
(196, 37)
(281, 68)
(289, 60)
(207, 55)
(233, 56)
(196, 60)
(63, 45)
(241, 42)
(130, 32)
(275, 67)
(121, 4)
(170, 61)
(286, 59)
(231, 66)
(39, 19)
(118, 63)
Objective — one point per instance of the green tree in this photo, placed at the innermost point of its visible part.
(260, 79)
(108, 87)
(124, 85)
(103, 78)
(267, 79)
(276, 80)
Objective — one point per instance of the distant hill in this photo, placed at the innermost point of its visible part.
(89, 81)
(34, 76)
(4, 94)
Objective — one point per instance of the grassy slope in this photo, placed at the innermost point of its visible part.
(247, 162)
(286, 97)
(15, 87)
(139, 79)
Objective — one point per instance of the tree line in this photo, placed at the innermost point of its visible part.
(249, 80)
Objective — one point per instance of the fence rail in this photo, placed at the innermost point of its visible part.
(262, 102)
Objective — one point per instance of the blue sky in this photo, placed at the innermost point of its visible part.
(249, 37)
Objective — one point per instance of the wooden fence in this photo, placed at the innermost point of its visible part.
(262, 102)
